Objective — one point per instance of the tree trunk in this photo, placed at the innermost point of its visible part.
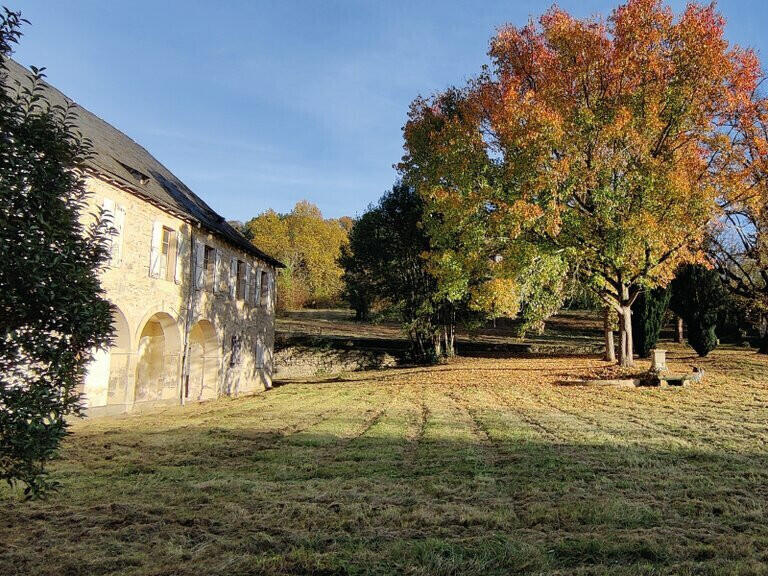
(610, 347)
(678, 329)
(448, 340)
(437, 343)
(626, 358)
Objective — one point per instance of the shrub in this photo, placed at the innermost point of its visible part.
(648, 318)
(52, 313)
(698, 296)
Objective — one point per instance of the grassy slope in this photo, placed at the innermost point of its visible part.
(484, 466)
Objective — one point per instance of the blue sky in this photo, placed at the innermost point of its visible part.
(258, 104)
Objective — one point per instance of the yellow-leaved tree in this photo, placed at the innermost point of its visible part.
(309, 246)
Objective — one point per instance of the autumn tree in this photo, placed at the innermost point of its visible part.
(739, 246)
(480, 255)
(309, 246)
(607, 139)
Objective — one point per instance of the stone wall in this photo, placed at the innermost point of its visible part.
(229, 341)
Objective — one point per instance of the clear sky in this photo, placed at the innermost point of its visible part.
(259, 104)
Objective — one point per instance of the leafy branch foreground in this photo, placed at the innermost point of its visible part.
(481, 466)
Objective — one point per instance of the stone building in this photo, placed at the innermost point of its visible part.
(194, 301)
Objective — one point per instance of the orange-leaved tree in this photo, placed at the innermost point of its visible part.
(612, 137)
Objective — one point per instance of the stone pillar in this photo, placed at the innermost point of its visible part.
(658, 360)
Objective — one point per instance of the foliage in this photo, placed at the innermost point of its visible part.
(52, 310)
(384, 262)
(698, 296)
(739, 246)
(648, 318)
(309, 246)
(606, 139)
(480, 257)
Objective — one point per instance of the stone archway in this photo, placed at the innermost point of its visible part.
(157, 366)
(107, 376)
(204, 362)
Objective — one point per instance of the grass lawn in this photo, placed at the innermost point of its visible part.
(483, 466)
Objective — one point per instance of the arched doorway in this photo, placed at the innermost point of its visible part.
(106, 379)
(157, 367)
(204, 361)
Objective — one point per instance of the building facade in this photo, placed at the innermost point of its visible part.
(193, 300)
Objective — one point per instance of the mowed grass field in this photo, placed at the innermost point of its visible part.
(482, 466)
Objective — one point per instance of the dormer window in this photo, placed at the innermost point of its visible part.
(137, 175)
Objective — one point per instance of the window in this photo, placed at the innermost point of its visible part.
(264, 288)
(240, 290)
(209, 261)
(168, 254)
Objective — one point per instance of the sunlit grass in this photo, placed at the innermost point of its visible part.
(483, 466)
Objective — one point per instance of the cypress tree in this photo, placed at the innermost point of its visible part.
(698, 296)
(647, 318)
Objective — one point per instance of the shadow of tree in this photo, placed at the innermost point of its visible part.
(228, 498)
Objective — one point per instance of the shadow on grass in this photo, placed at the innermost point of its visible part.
(231, 499)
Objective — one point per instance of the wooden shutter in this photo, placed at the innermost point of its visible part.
(270, 290)
(247, 291)
(257, 290)
(117, 241)
(233, 278)
(181, 254)
(199, 263)
(108, 214)
(156, 249)
(216, 270)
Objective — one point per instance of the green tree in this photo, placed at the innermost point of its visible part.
(52, 310)
(698, 296)
(385, 262)
(648, 318)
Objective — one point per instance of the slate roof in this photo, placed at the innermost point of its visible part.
(121, 160)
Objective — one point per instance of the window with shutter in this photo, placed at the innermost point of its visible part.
(209, 261)
(168, 251)
(240, 288)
